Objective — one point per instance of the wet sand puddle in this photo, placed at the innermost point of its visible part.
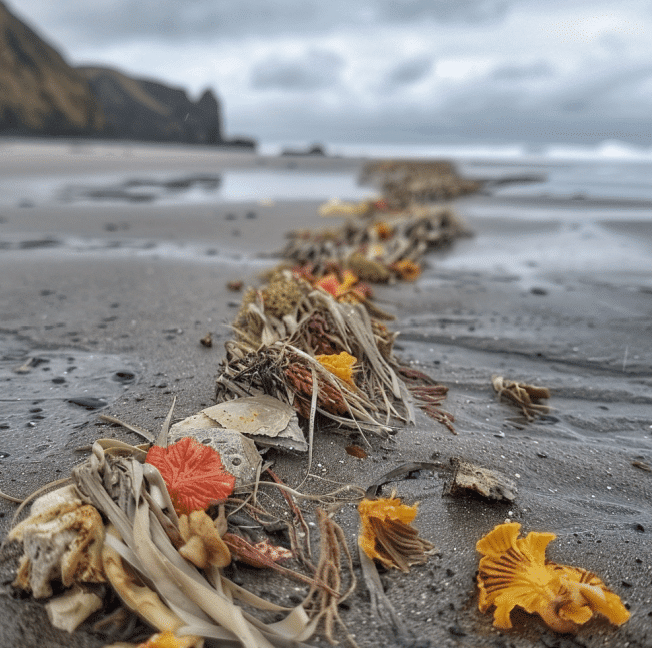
(193, 189)
(49, 394)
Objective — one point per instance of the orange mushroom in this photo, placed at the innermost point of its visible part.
(193, 474)
(514, 572)
(386, 534)
(408, 270)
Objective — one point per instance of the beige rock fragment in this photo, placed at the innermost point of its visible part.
(71, 609)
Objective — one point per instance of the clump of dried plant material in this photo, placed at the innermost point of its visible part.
(514, 572)
(386, 534)
(406, 181)
(525, 397)
(382, 246)
(288, 359)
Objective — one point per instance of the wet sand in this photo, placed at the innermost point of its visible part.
(124, 293)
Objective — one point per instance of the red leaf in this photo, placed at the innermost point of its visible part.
(193, 473)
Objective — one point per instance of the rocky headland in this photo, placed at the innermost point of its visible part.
(43, 95)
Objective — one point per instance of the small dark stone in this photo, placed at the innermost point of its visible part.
(538, 291)
(543, 455)
(124, 377)
(457, 631)
(251, 214)
(58, 380)
(89, 403)
(639, 527)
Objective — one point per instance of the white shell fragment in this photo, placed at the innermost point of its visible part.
(238, 454)
(265, 420)
(72, 608)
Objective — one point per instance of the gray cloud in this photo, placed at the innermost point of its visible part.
(455, 11)
(120, 21)
(408, 72)
(315, 70)
(517, 73)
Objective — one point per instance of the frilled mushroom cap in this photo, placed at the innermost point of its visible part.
(386, 534)
(514, 572)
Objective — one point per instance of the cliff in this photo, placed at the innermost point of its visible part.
(40, 93)
(146, 110)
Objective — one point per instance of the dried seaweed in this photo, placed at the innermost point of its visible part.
(321, 603)
(281, 363)
(525, 397)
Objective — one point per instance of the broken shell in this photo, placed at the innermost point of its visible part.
(267, 420)
(61, 541)
(68, 611)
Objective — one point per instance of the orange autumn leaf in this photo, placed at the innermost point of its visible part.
(193, 474)
(340, 364)
(514, 572)
(386, 533)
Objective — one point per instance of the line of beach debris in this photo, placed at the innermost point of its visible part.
(160, 523)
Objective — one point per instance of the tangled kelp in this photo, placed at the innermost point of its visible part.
(372, 246)
(526, 397)
(165, 566)
(405, 181)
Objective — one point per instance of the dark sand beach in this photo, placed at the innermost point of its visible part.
(113, 296)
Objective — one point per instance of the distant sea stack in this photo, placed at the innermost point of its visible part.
(40, 94)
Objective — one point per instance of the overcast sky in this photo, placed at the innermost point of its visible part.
(365, 71)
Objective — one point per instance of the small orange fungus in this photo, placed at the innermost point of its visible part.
(383, 230)
(193, 473)
(408, 270)
(514, 572)
(162, 640)
(340, 364)
(386, 534)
